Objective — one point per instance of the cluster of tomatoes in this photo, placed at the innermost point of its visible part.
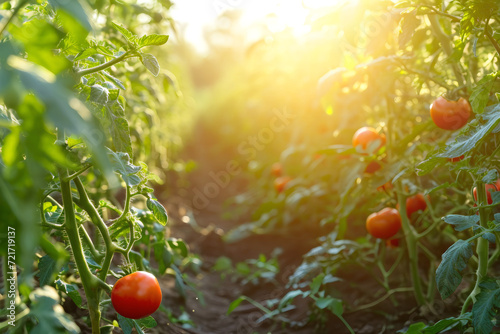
(385, 224)
(365, 139)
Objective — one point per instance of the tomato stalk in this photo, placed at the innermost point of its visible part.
(411, 244)
(445, 43)
(103, 66)
(387, 273)
(110, 246)
(482, 247)
(89, 281)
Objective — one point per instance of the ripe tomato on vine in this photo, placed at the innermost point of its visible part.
(450, 115)
(365, 136)
(136, 295)
(384, 224)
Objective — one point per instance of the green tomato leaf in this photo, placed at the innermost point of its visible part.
(152, 40)
(65, 111)
(47, 267)
(490, 237)
(128, 325)
(121, 164)
(99, 94)
(486, 307)
(179, 245)
(408, 25)
(234, 304)
(51, 319)
(441, 326)
(129, 36)
(490, 177)
(290, 296)
(481, 93)
(71, 290)
(222, 263)
(76, 8)
(158, 210)
(461, 223)
(474, 133)
(115, 80)
(120, 134)
(449, 272)
(85, 54)
(151, 63)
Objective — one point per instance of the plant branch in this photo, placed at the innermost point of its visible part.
(14, 13)
(75, 174)
(103, 66)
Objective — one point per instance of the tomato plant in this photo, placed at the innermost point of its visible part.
(136, 295)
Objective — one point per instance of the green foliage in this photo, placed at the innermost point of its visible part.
(449, 272)
(251, 271)
(67, 130)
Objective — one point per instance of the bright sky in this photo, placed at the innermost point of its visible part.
(194, 15)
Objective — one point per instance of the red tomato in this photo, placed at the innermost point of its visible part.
(392, 243)
(386, 186)
(415, 203)
(365, 136)
(276, 169)
(136, 296)
(384, 224)
(281, 182)
(450, 115)
(372, 167)
(488, 188)
(457, 158)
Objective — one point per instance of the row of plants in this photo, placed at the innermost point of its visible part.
(412, 200)
(81, 100)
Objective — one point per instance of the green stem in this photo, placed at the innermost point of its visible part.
(490, 36)
(75, 174)
(381, 299)
(482, 248)
(103, 66)
(345, 323)
(444, 40)
(126, 209)
(90, 285)
(496, 253)
(14, 13)
(110, 247)
(411, 243)
(86, 239)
